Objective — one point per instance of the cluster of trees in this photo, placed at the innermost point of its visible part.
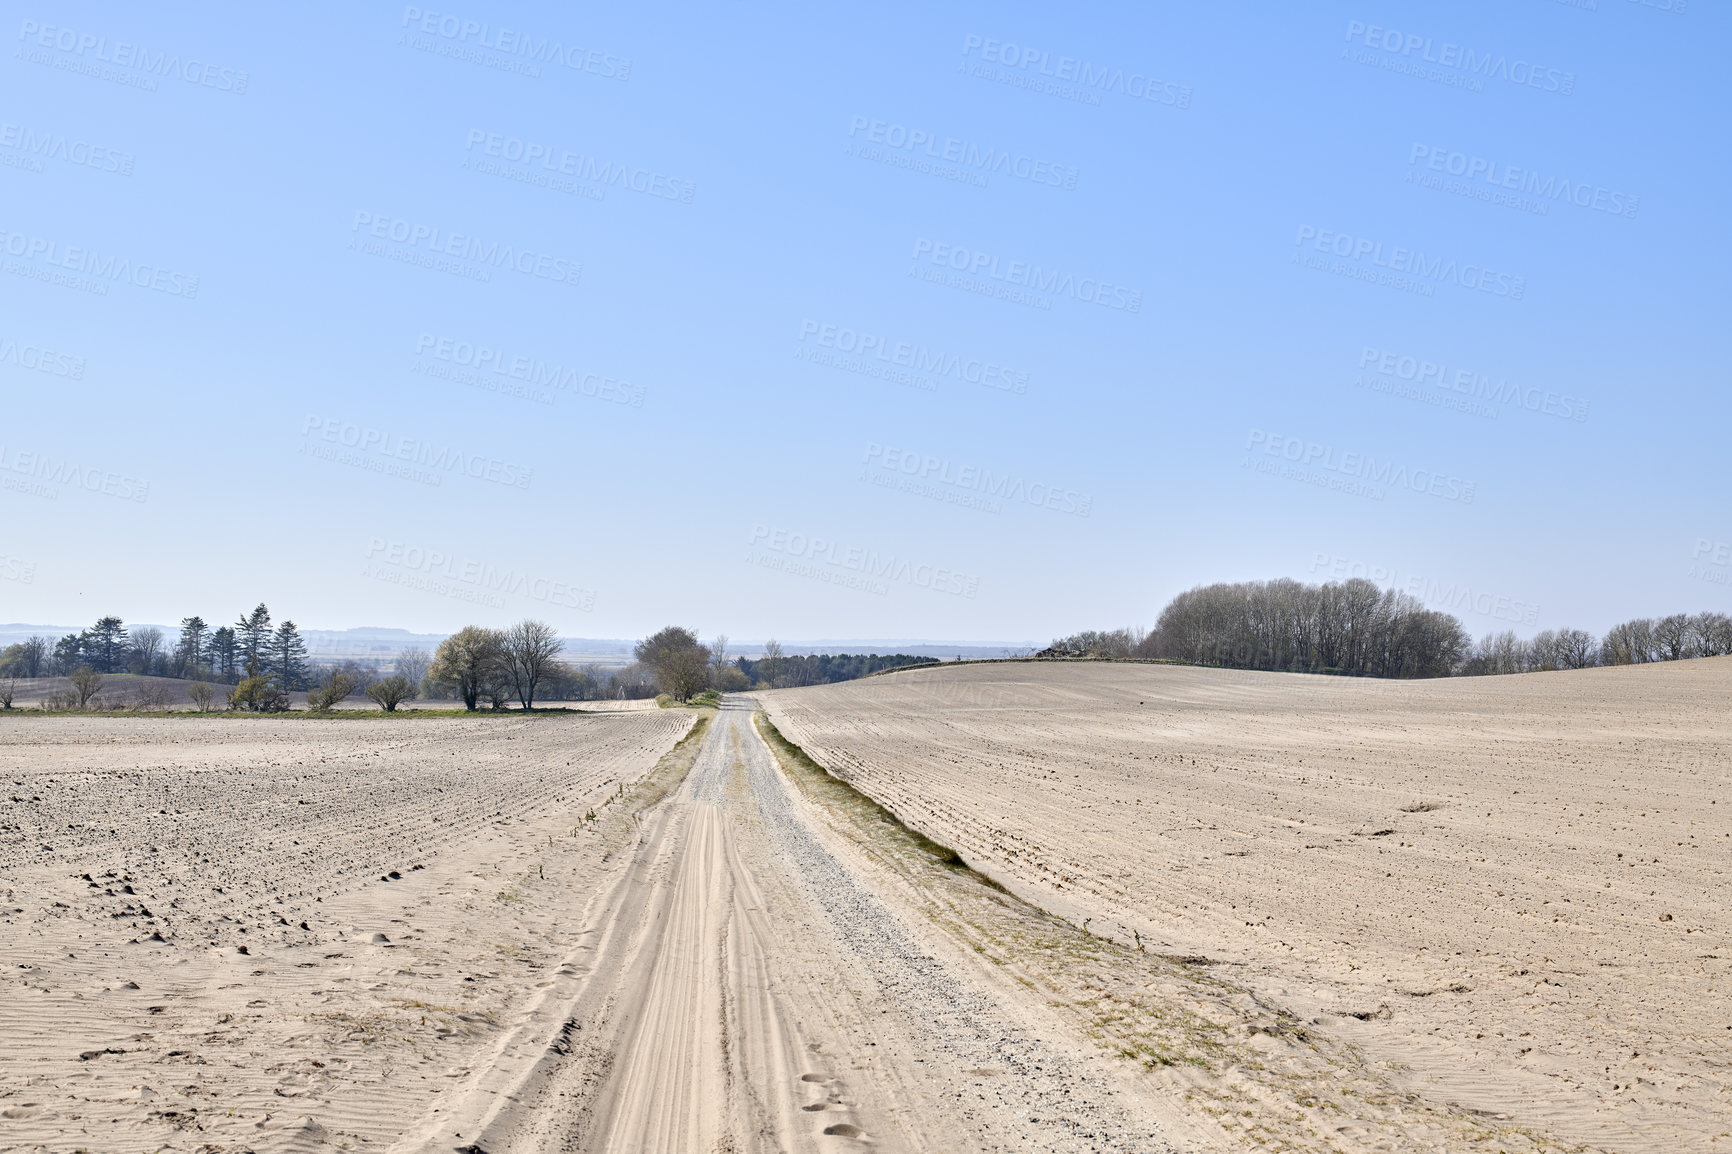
(251, 647)
(1350, 627)
(1637, 642)
(496, 665)
(1355, 627)
(821, 668)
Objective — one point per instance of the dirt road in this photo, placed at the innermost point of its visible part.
(752, 981)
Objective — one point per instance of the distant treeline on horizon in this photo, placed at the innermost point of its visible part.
(1355, 627)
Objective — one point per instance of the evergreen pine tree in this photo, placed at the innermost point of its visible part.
(252, 636)
(189, 652)
(288, 656)
(223, 654)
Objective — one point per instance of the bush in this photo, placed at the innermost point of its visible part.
(326, 697)
(85, 682)
(201, 695)
(390, 692)
(152, 696)
(8, 688)
(259, 695)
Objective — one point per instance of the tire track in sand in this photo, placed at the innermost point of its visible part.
(739, 989)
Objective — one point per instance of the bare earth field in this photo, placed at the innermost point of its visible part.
(1482, 913)
(123, 691)
(258, 933)
(1224, 912)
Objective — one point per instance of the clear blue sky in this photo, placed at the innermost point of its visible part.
(986, 323)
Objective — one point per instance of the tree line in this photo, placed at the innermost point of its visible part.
(1355, 627)
(264, 664)
(226, 654)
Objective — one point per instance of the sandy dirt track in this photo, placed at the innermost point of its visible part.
(1507, 894)
(500, 934)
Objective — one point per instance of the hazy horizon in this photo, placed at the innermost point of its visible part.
(894, 323)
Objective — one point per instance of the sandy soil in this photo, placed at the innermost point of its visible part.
(283, 934)
(1505, 894)
(503, 935)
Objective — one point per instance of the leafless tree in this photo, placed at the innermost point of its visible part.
(1673, 637)
(201, 695)
(152, 695)
(8, 689)
(147, 648)
(85, 684)
(1576, 649)
(1346, 627)
(529, 650)
(1631, 643)
(324, 698)
(35, 655)
(1711, 634)
(770, 666)
(413, 663)
(718, 654)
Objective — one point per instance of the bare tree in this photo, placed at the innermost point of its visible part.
(325, 698)
(771, 663)
(529, 650)
(152, 695)
(718, 654)
(390, 692)
(1631, 643)
(35, 655)
(8, 688)
(1575, 649)
(1711, 634)
(1672, 637)
(147, 649)
(201, 695)
(85, 683)
(413, 664)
